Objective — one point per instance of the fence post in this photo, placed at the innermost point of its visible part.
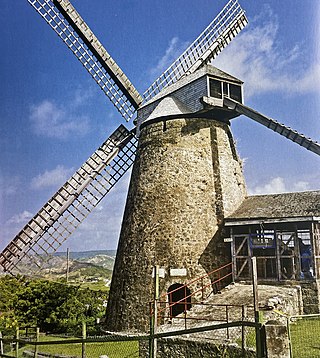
(185, 307)
(289, 336)
(260, 332)
(202, 292)
(37, 340)
(243, 330)
(1, 343)
(151, 333)
(84, 336)
(17, 343)
(154, 315)
(256, 304)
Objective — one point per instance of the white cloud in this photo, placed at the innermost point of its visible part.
(51, 120)
(301, 186)
(21, 218)
(9, 185)
(81, 96)
(173, 51)
(51, 178)
(258, 56)
(279, 185)
(276, 185)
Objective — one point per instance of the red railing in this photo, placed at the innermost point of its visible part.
(214, 281)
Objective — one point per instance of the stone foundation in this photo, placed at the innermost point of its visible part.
(310, 297)
(189, 348)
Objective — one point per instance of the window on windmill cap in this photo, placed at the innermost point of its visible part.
(217, 88)
(235, 92)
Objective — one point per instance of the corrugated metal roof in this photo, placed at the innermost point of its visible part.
(274, 206)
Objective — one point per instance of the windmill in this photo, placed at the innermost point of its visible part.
(74, 201)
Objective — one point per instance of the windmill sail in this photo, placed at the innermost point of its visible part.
(285, 131)
(226, 25)
(75, 33)
(72, 203)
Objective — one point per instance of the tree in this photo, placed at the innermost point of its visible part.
(51, 306)
(9, 289)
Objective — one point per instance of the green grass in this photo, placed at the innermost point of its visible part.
(93, 350)
(305, 338)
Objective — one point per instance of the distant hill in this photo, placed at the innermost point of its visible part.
(84, 267)
(103, 258)
(76, 255)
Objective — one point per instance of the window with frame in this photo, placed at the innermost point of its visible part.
(217, 89)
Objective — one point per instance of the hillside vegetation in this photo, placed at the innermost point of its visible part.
(47, 300)
(51, 306)
(89, 269)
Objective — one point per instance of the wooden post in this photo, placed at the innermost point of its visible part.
(202, 293)
(185, 307)
(1, 343)
(227, 319)
(259, 345)
(37, 340)
(233, 256)
(278, 255)
(298, 253)
(255, 288)
(315, 239)
(84, 336)
(250, 252)
(243, 331)
(17, 343)
(67, 270)
(154, 316)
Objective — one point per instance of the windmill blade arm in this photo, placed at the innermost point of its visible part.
(76, 34)
(285, 131)
(73, 202)
(226, 25)
(88, 37)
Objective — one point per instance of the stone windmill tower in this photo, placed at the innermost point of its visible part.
(186, 176)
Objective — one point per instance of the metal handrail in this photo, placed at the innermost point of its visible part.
(197, 279)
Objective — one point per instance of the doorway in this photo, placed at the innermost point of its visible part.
(179, 297)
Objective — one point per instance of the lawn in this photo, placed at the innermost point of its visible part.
(305, 337)
(93, 350)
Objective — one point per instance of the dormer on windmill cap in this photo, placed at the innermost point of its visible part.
(190, 90)
(186, 80)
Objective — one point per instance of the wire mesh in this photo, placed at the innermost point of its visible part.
(48, 346)
(72, 203)
(231, 340)
(225, 26)
(113, 349)
(305, 336)
(95, 67)
(228, 340)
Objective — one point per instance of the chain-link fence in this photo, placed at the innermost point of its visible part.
(304, 332)
(108, 346)
(235, 339)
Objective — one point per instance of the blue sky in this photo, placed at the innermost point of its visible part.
(53, 116)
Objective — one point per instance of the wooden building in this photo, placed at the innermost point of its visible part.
(282, 231)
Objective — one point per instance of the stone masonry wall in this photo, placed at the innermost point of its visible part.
(310, 297)
(185, 179)
(194, 348)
